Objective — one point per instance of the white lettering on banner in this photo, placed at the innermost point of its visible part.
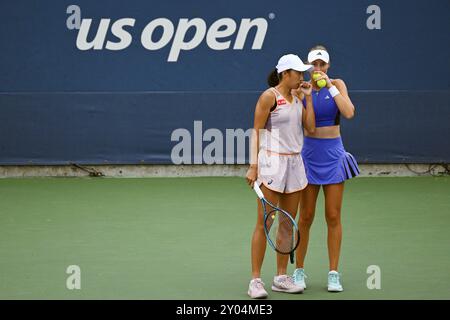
(218, 35)
(97, 43)
(74, 20)
(246, 25)
(146, 37)
(179, 40)
(373, 22)
(215, 33)
(119, 32)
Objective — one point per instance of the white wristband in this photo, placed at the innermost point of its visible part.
(333, 91)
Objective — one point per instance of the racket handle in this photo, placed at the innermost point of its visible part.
(258, 190)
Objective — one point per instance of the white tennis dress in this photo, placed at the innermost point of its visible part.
(280, 164)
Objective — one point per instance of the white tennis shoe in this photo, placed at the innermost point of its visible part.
(299, 277)
(256, 289)
(334, 284)
(285, 283)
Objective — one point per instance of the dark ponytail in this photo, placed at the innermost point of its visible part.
(273, 79)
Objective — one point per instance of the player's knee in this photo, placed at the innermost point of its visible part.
(306, 218)
(333, 217)
(259, 227)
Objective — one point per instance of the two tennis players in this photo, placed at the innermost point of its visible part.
(297, 148)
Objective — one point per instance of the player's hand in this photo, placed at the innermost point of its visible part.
(252, 175)
(305, 88)
(323, 75)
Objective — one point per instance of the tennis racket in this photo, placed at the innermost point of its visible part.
(280, 228)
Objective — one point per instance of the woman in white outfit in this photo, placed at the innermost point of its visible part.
(275, 159)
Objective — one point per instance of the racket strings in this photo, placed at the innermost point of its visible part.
(281, 231)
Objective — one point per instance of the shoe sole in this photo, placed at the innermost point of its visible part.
(287, 290)
(335, 290)
(304, 288)
(257, 297)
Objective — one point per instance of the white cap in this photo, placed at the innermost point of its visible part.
(292, 61)
(318, 54)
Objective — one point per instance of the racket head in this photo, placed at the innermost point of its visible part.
(281, 229)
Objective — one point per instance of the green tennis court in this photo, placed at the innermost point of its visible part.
(189, 238)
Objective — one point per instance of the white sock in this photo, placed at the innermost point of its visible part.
(333, 271)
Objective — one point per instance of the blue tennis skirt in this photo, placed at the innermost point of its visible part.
(327, 162)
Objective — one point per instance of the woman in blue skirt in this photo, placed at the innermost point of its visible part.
(327, 164)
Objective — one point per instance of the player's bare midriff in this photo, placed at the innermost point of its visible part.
(328, 132)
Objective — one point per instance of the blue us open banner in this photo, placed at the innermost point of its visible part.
(177, 81)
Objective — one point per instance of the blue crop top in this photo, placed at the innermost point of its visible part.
(326, 110)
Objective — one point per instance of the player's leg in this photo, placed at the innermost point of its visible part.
(256, 286)
(333, 203)
(289, 203)
(259, 237)
(282, 282)
(308, 199)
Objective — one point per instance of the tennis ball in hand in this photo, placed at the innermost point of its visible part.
(321, 83)
(316, 76)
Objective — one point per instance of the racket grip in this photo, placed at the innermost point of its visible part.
(258, 190)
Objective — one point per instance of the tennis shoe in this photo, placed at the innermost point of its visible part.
(256, 289)
(299, 277)
(286, 284)
(334, 284)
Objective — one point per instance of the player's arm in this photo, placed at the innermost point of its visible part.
(265, 102)
(308, 116)
(342, 100)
